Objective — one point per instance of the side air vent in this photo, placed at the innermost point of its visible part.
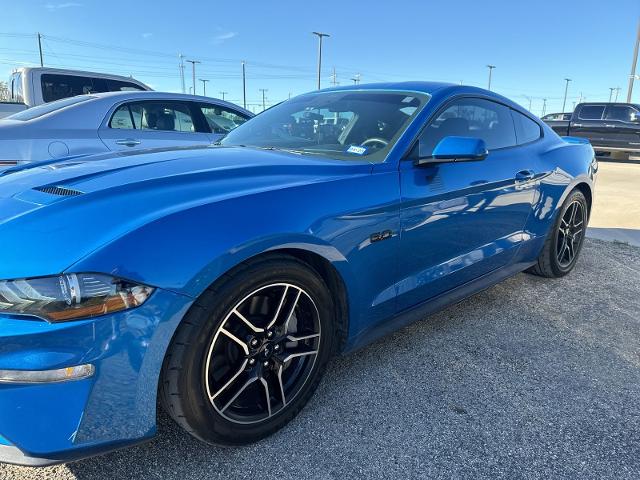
(58, 190)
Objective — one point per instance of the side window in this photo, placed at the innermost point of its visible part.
(526, 129)
(622, 113)
(164, 116)
(122, 118)
(17, 94)
(221, 119)
(471, 117)
(591, 112)
(56, 87)
(120, 86)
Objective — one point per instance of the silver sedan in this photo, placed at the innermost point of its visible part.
(104, 122)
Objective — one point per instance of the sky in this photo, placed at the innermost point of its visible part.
(534, 45)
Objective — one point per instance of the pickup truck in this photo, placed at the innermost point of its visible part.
(612, 128)
(29, 87)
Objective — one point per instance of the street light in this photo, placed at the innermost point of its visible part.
(204, 86)
(193, 73)
(490, 67)
(320, 36)
(566, 88)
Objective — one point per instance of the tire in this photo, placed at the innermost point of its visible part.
(205, 366)
(551, 263)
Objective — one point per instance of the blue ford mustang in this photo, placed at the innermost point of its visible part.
(220, 280)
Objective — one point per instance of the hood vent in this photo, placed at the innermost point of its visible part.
(58, 190)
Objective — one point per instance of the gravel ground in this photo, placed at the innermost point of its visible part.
(533, 378)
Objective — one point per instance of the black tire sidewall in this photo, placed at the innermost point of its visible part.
(559, 270)
(203, 420)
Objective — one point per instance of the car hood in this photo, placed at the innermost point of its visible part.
(54, 214)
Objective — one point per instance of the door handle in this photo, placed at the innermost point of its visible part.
(524, 176)
(577, 125)
(608, 125)
(128, 142)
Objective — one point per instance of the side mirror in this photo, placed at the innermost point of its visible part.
(456, 149)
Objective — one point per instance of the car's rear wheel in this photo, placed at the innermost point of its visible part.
(564, 242)
(250, 352)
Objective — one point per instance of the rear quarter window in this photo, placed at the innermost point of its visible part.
(526, 129)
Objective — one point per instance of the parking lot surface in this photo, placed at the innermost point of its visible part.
(616, 211)
(533, 378)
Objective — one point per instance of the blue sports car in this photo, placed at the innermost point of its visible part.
(220, 280)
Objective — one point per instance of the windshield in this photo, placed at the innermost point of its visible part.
(346, 125)
(41, 110)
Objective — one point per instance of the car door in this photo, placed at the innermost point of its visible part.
(153, 124)
(221, 119)
(589, 123)
(461, 220)
(623, 123)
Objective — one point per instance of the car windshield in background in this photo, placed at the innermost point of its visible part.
(45, 108)
(347, 125)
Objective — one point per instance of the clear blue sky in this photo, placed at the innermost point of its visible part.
(534, 44)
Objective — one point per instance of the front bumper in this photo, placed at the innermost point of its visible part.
(47, 423)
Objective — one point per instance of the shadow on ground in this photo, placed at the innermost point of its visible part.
(534, 378)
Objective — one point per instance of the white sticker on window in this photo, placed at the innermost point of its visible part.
(357, 150)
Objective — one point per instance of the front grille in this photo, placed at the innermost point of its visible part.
(58, 190)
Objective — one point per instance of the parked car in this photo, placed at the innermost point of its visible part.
(221, 279)
(556, 116)
(29, 87)
(114, 121)
(612, 128)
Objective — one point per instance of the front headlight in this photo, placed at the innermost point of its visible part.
(71, 296)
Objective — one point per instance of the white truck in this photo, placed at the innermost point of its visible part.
(29, 87)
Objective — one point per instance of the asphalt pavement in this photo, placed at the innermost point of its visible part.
(533, 378)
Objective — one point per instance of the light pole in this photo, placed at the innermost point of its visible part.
(244, 86)
(320, 36)
(611, 89)
(544, 106)
(528, 98)
(634, 62)
(223, 94)
(182, 72)
(490, 67)
(204, 86)
(566, 88)
(356, 79)
(617, 89)
(193, 73)
(264, 104)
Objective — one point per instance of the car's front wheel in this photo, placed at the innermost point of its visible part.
(564, 242)
(250, 352)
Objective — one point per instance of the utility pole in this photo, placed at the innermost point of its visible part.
(184, 90)
(244, 86)
(320, 36)
(40, 49)
(632, 76)
(544, 106)
(223, 94)
(334, 80)
(356, 79)
(611, 89)
(193, 73)
(617, 89)
(566, 88)
(528, 98)
(204, 86)
(264, 104)
(490, 67)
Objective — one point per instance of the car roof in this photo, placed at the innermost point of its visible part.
(414, 86)
(130, 95)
